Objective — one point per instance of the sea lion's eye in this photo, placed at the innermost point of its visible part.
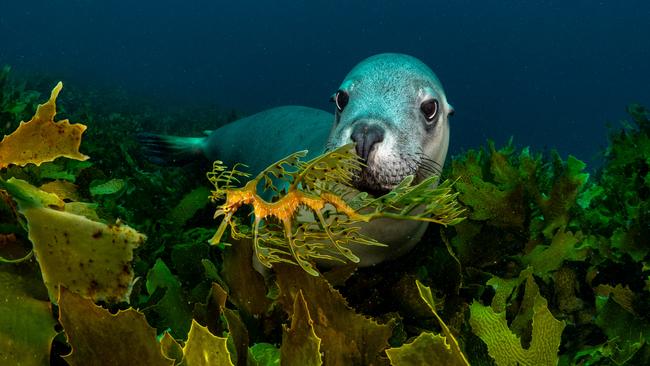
(341, 99)
(430, 109)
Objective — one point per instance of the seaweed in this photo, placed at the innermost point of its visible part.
(429, 348)
(15, 99)
(550, 265)
(489, 323)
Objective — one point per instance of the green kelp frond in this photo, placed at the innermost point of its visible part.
(316, 214)
(504, 344)
(500, 185)
(516, 199)
(15, 99)
(621, 212)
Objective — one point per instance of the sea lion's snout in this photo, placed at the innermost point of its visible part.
(374, 143)
(366, 137)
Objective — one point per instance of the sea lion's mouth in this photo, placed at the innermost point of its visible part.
(371, 189)
(380, 175)
(380, 178)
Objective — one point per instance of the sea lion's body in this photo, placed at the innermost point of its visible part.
(391, 105)
(262, 139)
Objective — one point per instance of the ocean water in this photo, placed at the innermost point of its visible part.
(551, 74)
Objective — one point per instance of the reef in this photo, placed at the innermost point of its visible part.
(537, 261)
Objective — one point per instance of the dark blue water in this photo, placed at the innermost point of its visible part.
(549, 73)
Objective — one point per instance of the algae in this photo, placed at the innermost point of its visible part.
(549, 267)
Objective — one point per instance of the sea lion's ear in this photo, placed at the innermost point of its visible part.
(450, 110)
(333, 97)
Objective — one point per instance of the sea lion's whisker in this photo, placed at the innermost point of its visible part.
(427, 159)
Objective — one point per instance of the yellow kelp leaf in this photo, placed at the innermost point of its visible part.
(26, 322)
(505, 347)
(347, 338)
(41, 139)
(26, 194)
(170, 348)
(300, 345)
(84, 209)
(429, 349)
(99, 337)
(62, 188)
(204, 349)
(88, 257)
(220, 320)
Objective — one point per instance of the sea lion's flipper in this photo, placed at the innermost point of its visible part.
(166, 149)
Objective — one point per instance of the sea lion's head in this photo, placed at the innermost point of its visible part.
(395, 110)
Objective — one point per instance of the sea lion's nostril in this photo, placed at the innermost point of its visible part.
(366, 136)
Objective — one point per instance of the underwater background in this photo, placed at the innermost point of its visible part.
(549, 73)
(540, 251)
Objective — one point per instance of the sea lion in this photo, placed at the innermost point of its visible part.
(391, 105)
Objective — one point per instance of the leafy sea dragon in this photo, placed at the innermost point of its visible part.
(316, 214)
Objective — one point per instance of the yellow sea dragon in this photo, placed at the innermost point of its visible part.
(315, 210)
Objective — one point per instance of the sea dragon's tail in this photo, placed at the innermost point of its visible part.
(166, 149)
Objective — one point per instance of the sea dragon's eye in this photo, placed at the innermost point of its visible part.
(430, 109)
(341, 99)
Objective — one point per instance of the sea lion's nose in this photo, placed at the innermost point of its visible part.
(366, 136)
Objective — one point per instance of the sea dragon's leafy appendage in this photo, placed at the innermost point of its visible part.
(317, 214)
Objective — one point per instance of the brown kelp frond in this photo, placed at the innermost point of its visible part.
(318, 215)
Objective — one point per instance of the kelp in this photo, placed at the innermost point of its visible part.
(504, 344)
(189, 205)
(549, 267)
(94, 258)
(15, 99)
(347, 338)
(204, 348)
(222, 320)
(428, 348)
(321, 186)
(621, 212)
(300, 344)
(514, 200)
(41, 139)
(172, 308)
(91, 331)
(88, 257)
(26, 323)
(574, 232)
